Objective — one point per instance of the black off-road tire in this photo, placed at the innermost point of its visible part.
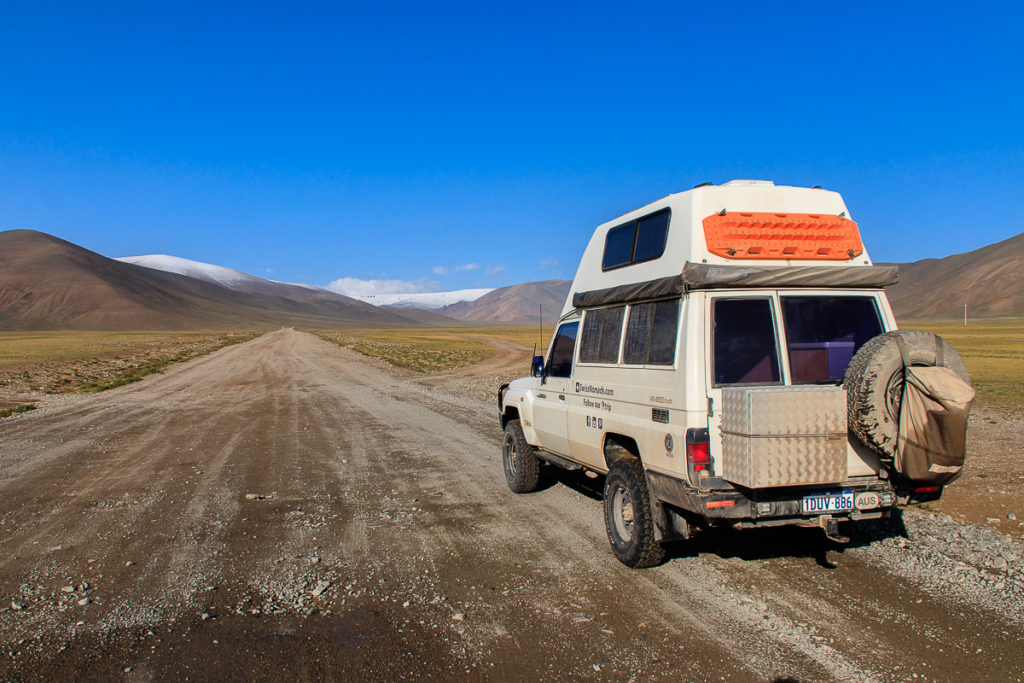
(522, 468)
(874, 383)
(627, 515)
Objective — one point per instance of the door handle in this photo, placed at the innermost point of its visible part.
(561, 397)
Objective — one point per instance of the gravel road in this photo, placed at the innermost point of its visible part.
(286, 508)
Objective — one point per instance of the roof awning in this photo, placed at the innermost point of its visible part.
(709, 276)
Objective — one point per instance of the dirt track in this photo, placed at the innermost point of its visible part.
(288, 509)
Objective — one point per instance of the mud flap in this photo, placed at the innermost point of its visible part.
(669, 524)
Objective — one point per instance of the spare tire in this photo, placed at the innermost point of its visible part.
(874, 382)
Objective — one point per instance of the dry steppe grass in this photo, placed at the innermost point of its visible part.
(436, 350)
(38, 363)
(994, 353)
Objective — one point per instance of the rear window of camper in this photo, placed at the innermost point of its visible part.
(823, 333)
(637, 241)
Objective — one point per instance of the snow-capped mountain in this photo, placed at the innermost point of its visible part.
(218, 275)
(236, 279)
(427, 300)
(229, 277)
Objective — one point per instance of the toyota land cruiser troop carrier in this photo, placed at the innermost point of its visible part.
(727, 355)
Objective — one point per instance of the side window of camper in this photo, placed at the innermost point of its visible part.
(637, 241)
(560, 363)
(602, 329)
(651, 333)
(744, 342)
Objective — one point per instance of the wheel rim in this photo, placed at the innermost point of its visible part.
(622, 513)
(511, 458)
(894, 395)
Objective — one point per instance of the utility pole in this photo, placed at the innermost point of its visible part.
(965, 315)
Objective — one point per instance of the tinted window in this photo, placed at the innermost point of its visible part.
(823, 333)
(590, 344)
(636, 241)
(618, 246)
(638, 334)
(651, 333)
(663, 337)
(560, 363)
(602, 329)
(744, 342)
(611, 333)
(651, 233)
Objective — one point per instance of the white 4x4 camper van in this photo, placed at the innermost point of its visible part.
(727, 355)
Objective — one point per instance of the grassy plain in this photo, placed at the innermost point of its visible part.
(433, 350)
(994, 353)
(64, 362)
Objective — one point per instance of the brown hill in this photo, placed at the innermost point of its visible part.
(49, 283)
(518, 303)
(989, 280)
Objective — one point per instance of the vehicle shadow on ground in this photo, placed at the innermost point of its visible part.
(748, 544)
(786, 541)
(551, 475)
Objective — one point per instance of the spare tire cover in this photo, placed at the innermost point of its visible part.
(874, 383)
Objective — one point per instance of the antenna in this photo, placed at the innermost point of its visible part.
(540, 322)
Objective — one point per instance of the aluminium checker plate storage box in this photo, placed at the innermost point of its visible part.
(784, 436)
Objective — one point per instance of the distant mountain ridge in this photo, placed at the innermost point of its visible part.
(47, 283)
(430, 301)
(517, 303)
(989, 280)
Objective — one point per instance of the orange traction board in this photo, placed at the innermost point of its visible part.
(798, 236)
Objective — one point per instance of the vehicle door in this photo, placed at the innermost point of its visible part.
(742, 338)
(550, 412)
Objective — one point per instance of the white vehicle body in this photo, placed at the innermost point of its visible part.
(706, 264)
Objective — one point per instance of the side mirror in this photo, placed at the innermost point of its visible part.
(538, 366)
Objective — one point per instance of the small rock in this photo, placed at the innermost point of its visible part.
(998, 562)
(320, 587)
(1009, 557)
(18, 606)
(128, 563)
(580, 619)
(597, 667)
(68, 589)
(84, 601)
(991, 520)
(127, 669)
(1011, 517)
(204, 616)
(458, 616)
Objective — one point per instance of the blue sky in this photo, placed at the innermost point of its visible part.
(449, 145)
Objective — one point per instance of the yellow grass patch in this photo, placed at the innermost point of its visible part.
(433, 350)
(994, 354)
(61, 362)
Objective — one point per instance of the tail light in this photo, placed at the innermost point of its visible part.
(698, 454)
(927, 489)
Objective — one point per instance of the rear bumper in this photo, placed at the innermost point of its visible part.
(767, 507)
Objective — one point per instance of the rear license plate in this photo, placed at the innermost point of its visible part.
(822, 503)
